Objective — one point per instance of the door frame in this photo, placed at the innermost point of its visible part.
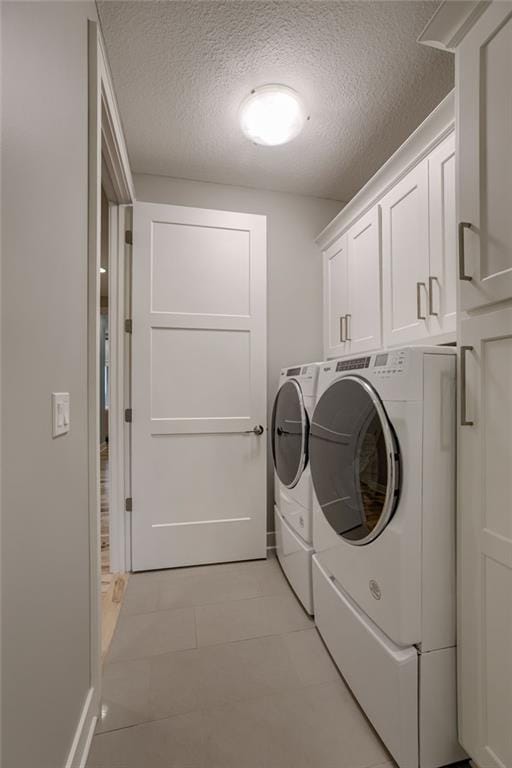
(108, 160)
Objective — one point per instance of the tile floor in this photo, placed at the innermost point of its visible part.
(219, 667)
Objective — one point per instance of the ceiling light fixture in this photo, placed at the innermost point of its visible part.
(272, 115)
(102, 270)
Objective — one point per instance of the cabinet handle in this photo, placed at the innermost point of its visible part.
(464, 422)
(431, 281)
(418, 301)
(462, 273)
(342, 317)
(347, 338)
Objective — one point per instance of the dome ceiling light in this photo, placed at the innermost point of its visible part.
(272, 115)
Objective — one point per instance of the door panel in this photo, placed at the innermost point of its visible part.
(199, 386)
(405, 258)
(364, 330)
(485, 540)
(443, 238)
(485, 160)
(335, 308)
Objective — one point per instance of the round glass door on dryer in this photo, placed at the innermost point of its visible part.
(293, 406)
(355, 464)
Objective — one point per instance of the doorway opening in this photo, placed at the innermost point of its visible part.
(106, 571)
(111, 401)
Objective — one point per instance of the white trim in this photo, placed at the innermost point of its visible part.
(77, 757)
(125, 391)
(93, 356)
(451, 22)
(119, 372)
(425, 138)
(104, 123)
(115, 152)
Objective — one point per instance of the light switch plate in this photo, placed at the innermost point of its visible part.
(60, 413)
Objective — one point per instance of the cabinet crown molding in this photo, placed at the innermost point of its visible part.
(436, 127)
(451, 22)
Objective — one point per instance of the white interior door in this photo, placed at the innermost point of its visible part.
(485, 539)
(199, 386)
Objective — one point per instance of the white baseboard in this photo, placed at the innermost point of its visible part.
(79, 751)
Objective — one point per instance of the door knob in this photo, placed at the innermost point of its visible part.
(257, 430)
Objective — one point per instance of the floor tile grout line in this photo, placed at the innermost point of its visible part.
(215, 645)
(210, 645)
(206, 605)
(234, 701)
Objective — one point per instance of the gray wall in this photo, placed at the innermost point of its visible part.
(294, 265)
(45, 532)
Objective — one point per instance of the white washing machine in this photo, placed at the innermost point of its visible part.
(293, 508)
(382, 458)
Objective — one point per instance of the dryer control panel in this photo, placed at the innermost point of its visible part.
(386, 364)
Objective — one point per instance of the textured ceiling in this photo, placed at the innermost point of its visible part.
(181, 69)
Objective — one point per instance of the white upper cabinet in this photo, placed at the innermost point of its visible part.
(352, 304)
(405, 258)
(442, 280)
(363, 319)
(390, 256)
(484, 63)
(335, 297)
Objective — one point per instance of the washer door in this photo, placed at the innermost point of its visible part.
(354, 459)
(290, 431)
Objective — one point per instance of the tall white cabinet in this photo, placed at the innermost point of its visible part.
(480, 34)
(390, 255)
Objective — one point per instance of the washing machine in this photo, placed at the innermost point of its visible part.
(382, 460)
(293, 499)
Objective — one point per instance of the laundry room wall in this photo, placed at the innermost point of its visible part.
(45, 565)
(294, 306)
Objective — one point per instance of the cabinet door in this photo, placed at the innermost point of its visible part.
(405, 258)
(485, 539)
(363, 331)
(484, 64)
(442, 281)
(335, 298)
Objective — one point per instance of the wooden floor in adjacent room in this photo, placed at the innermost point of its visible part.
(112, 584)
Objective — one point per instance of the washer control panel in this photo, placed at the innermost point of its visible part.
(387, 364)
(353, 365)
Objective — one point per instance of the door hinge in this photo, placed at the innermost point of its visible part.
(128, 415)
(128, 504)
(128, 237)
(128, 325)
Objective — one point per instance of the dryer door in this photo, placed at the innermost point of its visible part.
(354, 460)
(290, 430)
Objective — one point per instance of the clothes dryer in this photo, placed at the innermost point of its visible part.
(382, 458)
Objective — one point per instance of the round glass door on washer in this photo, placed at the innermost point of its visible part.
(293, 510)
(290, 431)
(354, 458)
